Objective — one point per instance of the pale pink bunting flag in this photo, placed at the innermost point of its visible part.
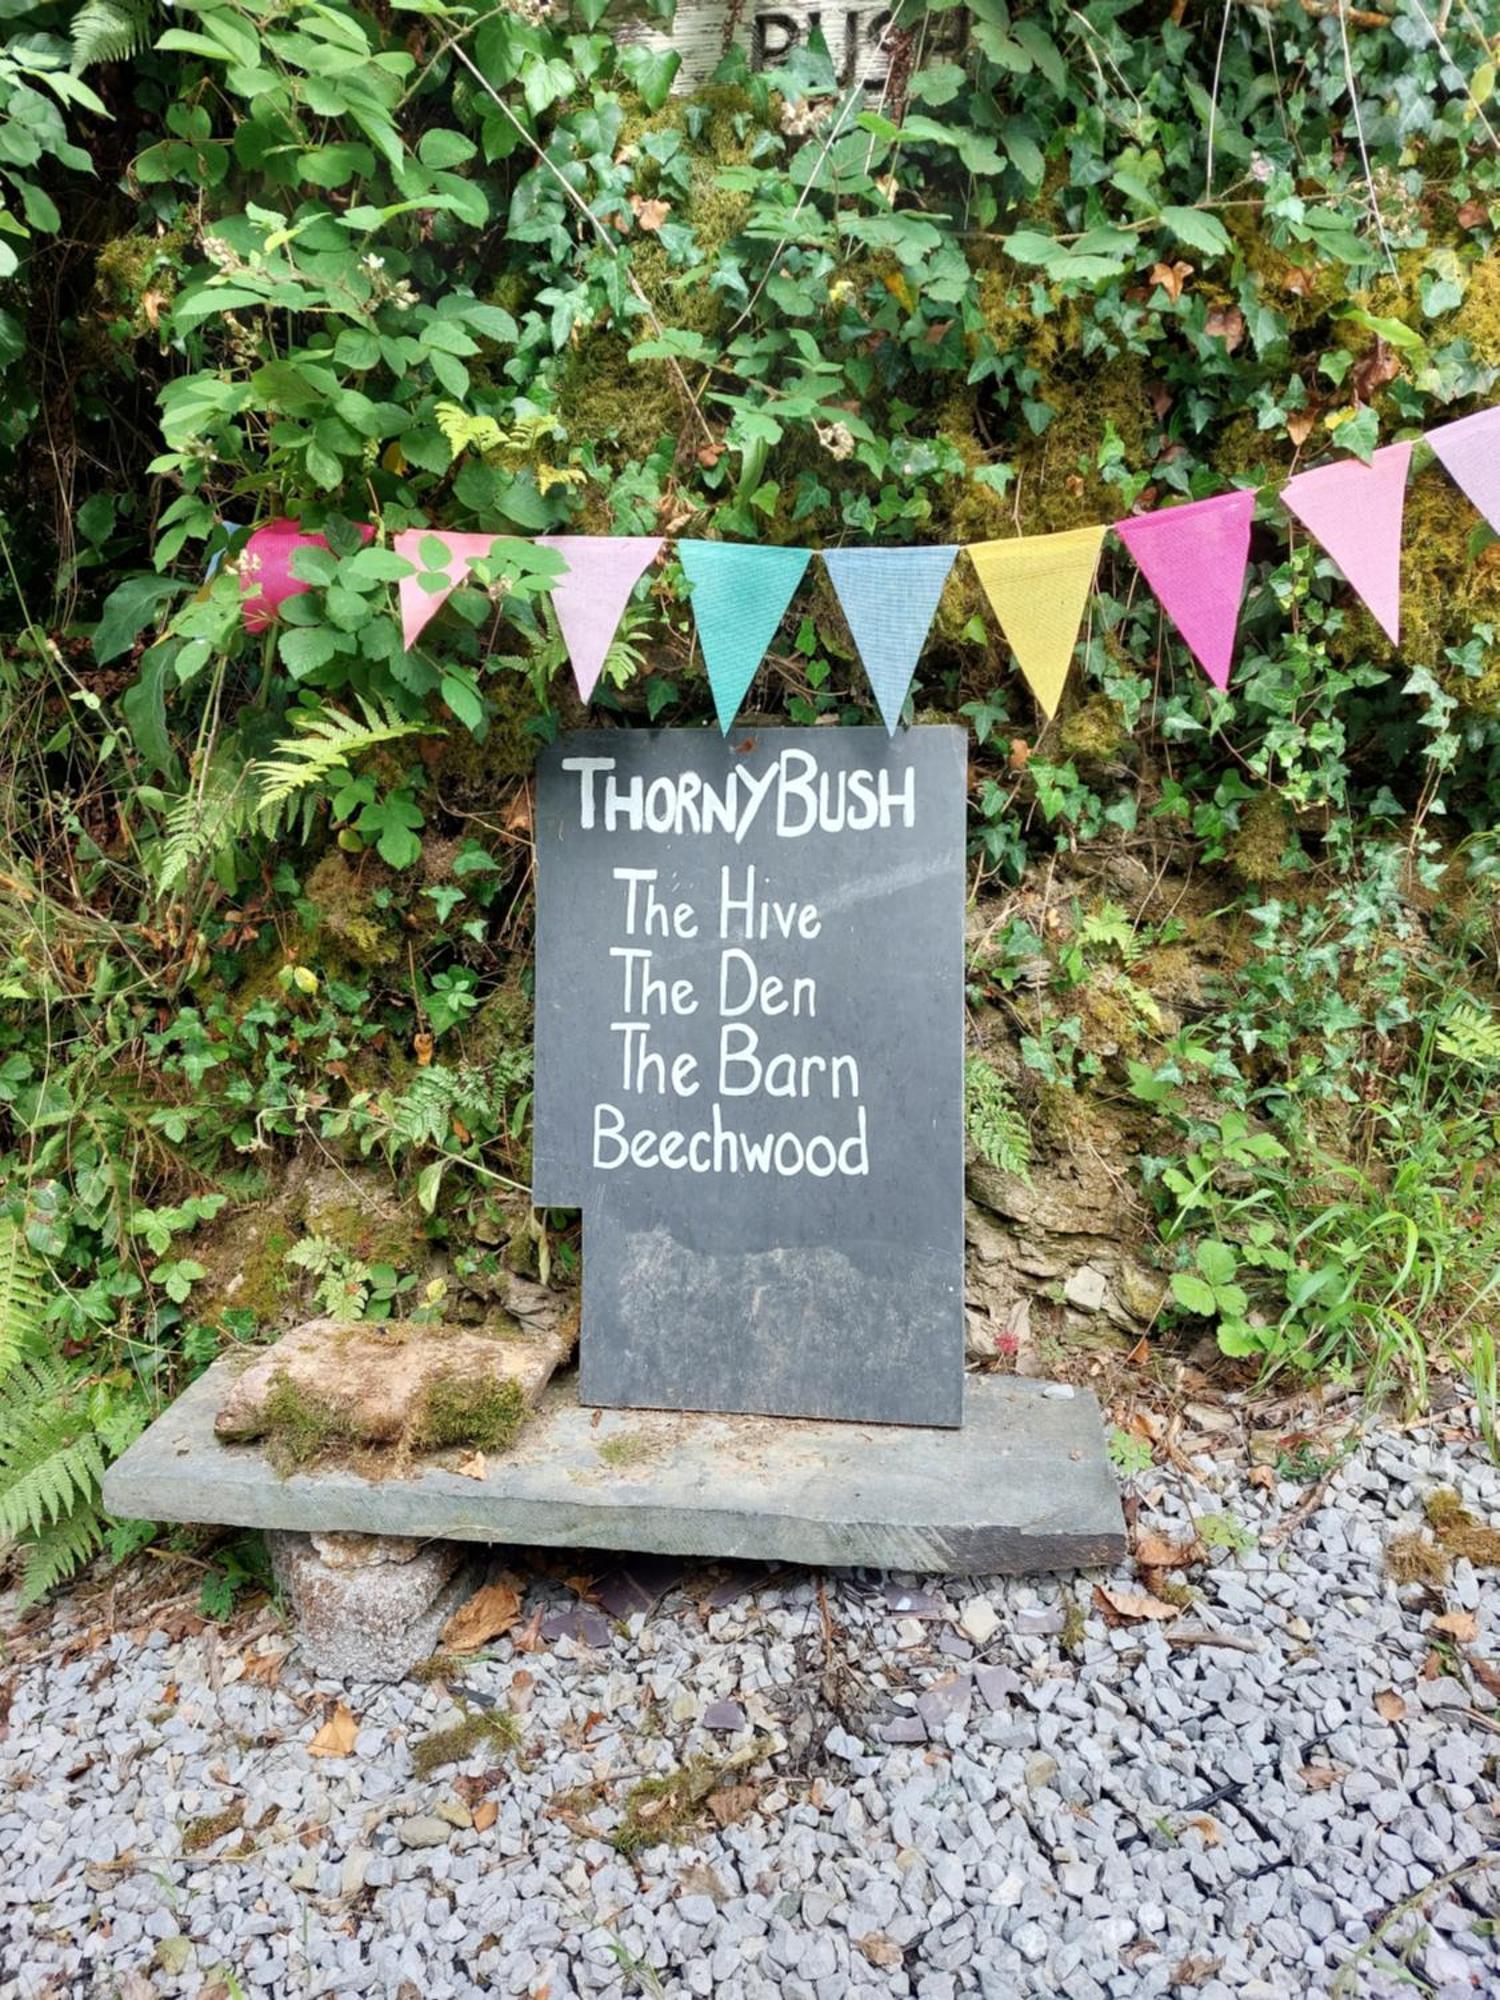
(1469, 452)
(1355, 511)
(419, 605)
(1194, 559)
(591, 598)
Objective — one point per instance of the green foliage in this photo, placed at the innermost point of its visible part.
(994, 1122)
(383, 271)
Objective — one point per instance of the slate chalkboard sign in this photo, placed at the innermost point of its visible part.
(749, 1065)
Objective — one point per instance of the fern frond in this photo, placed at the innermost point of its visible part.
(464, 432)
(107, 31)
(201, 824)
(51, 1459)
(22, 1299)
(1471, 1034)
(61, 1550)
(993, 1120)
(327, 743)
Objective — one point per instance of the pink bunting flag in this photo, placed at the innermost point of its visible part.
(1355, 511)
(1469, 452)
(265, 569)
(1194, 558)
(590, 600)
(419, 605)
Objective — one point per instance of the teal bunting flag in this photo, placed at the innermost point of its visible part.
(889, 597)
(740, 595)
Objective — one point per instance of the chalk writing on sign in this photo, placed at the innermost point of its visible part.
(749, 1029)
(857, 35)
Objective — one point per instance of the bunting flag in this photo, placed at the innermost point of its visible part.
(590, 600)
(265, 569)
(890, 598)
(418, 606)
(1355, 511)
(1469, 452)
(740, 595)
(1039, 585)
(1194, 558)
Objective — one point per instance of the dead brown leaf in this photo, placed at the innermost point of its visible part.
(1460, 1625)
(1473, 215)
(336, 1737)
(264, 1669)
(422, 1046)
(1172, 278)
(485, 1815)
(1486, 1675)
(1157, 1552)
(1129, 1607)
(650, 214)
(1432, 1666)
(1209, 1828)
(471, 1465)
(880, 1950)
(1226, 323)
(1389, 1706)
(1299, 425)
(1195, 1971)
(731, 1802)
(1320, 1777)
(531, 1638)
(1374, 369)
(489, 1614)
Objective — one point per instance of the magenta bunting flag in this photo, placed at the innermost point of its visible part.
(1355, 511)
(1194, 557)
(419, 605)
(590, 600)
(265, 569)
(1469, 452)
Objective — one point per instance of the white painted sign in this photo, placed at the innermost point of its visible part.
(855, 32)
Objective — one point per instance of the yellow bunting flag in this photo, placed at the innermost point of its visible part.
(1039, 585)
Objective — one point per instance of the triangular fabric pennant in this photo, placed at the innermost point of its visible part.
(418, 606)
(740, 595)
(1039, 586)
(590, 599)
(1194, 558)
(1355, 511)
(890, 597)
(1469, 452)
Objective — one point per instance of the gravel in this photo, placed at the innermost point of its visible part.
(1055, 1804)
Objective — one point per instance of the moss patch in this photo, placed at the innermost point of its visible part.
(482, 1729)
(201, 1833)
(1460, 1533)
(482, 1411)
(1413, 1558)
(632, 1449)
(300, 1427)
(670, 1808)
(1264, 847)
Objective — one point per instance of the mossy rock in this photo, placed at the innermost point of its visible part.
(394, 1386)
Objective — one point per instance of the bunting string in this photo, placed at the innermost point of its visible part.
(1194, 555)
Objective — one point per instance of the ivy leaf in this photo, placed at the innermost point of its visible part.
(543, 81)
(651, 73)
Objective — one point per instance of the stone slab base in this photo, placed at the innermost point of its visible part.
(1025, 1485)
